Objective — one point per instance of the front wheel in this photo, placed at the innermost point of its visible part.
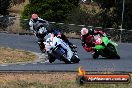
(75, 59)
(95, 54)
(117, 56)
(67, 61)
(42, 47)
(112, 52)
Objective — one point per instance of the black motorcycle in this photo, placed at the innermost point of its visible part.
(40, 32)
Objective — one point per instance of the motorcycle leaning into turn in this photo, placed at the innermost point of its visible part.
(56, 48)
(105, 47)
(40, 32)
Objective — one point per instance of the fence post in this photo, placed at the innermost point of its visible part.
(121, 34)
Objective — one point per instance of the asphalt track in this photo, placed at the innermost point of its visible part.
(27, 42)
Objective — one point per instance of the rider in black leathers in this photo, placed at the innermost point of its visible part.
(34, 24)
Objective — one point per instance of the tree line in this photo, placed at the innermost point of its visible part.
(69, 11)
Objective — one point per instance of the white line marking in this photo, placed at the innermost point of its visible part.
(80, 25)
(34, 63)
(52, 22)
(22, 64)
(42, 62)
(71, 24)
(60, 23)
(3, 65)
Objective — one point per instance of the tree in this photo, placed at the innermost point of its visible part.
(4, 5)
(52, 10)
(111, 13)
(14, 2)
(107, 15)
(127, 16)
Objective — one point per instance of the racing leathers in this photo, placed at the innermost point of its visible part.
(58, 33)
(34, 25)
(88, 40)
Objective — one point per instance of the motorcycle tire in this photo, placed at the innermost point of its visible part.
(51, 58)
(65, 60)
(75, 59)
(112, 52)
(95, 55)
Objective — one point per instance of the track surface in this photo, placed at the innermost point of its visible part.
(28, 42)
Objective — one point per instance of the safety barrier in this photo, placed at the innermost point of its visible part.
(120, 35)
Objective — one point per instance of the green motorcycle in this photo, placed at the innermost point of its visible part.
(105, 47)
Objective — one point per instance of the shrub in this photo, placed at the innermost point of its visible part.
(51, 10)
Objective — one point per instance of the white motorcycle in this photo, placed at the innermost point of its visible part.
(57, 49)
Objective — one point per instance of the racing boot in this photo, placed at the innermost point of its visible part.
(72, 46)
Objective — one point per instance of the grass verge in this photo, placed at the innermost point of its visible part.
(9, 55)
(49, 80)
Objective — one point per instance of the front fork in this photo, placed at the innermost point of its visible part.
(41, 45)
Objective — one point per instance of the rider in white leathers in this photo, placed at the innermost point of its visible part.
(53, 41)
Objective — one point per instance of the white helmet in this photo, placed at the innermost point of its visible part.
(84, 31)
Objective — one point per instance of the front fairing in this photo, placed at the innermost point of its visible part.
(51, 43)
(42, 30)
(104, 43)
(99, 47)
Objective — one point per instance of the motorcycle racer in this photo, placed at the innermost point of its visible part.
(59, 34)
(87, 38)
(35, 21)
(53, 41)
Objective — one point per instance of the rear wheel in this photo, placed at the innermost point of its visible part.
(67, 61)
(51, 58)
